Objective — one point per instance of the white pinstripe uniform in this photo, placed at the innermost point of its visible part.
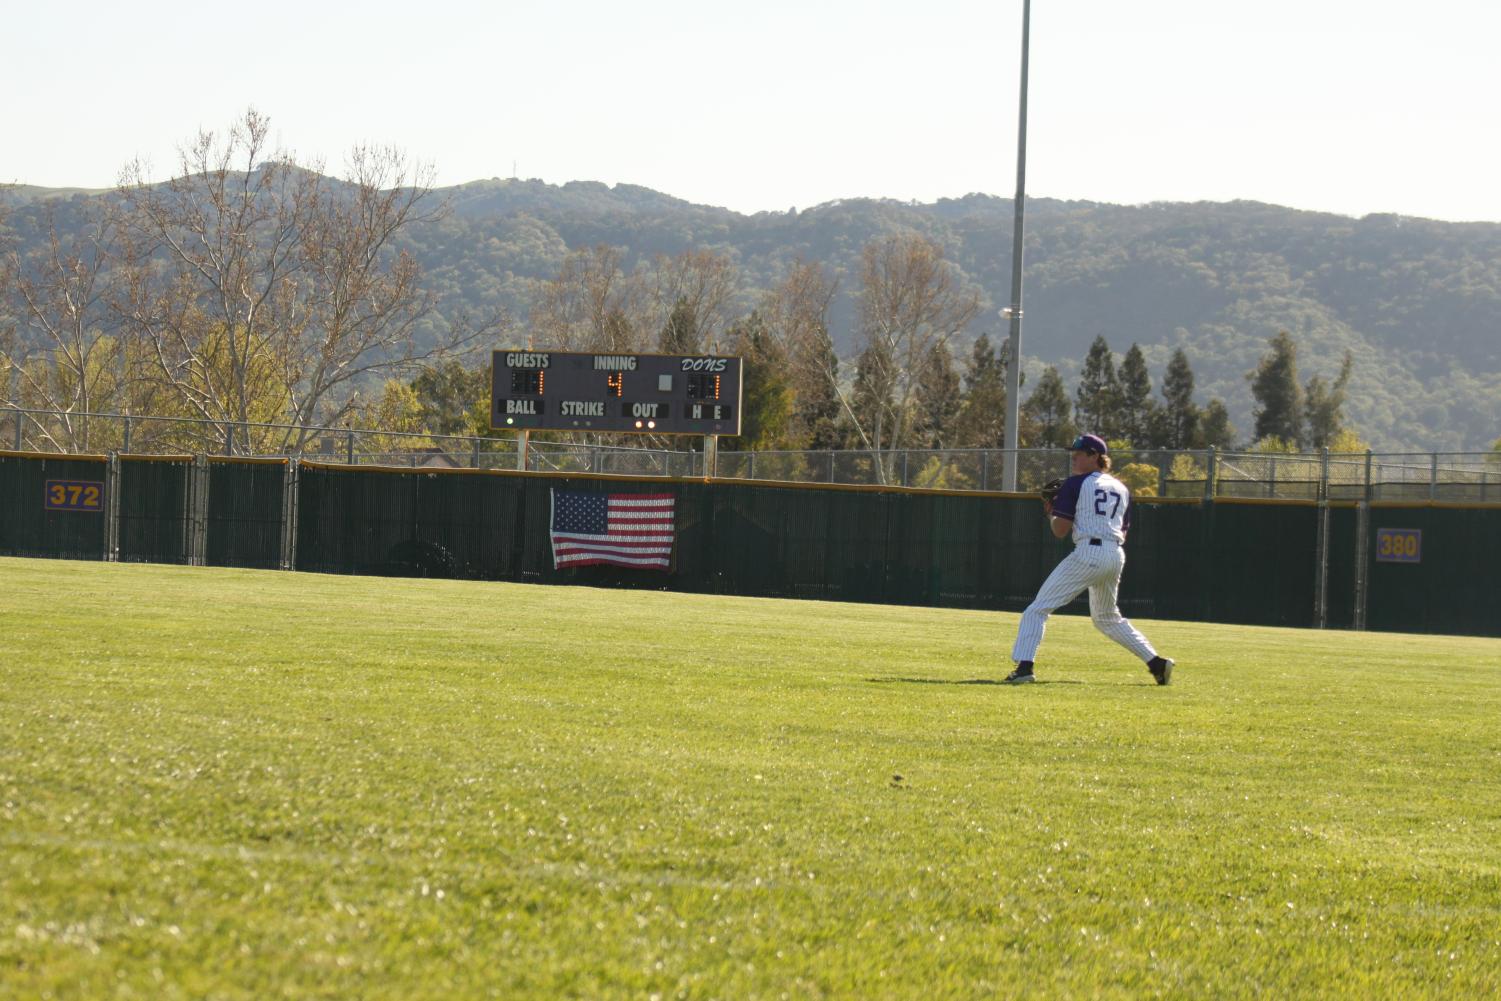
(1100, 506)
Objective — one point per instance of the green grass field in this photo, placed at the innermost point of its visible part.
(239, 784)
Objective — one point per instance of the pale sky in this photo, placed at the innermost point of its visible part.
(1350, 106)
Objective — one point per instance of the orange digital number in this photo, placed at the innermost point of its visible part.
(616, 382)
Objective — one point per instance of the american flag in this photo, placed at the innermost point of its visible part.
(626, 530)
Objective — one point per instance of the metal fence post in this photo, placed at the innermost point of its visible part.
(475, 462)
(349, 446)
(1271, 487)
(1433, 478)
(1362, 561)
(985, 469)
(1362, 547)
(289, 515)
(18, 428)
(711, 456)
(1209, 474)
(126, 446)
(831, 465)
(1321, 589)
(111, 507)
(198, 477)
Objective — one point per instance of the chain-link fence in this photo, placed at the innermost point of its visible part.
(1457, 477)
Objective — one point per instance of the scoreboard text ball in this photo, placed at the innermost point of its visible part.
(656, 394)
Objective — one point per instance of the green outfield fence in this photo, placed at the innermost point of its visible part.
(1419, 566)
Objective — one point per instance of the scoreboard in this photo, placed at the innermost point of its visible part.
(636, 393)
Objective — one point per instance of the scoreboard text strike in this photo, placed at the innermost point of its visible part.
(656, 394)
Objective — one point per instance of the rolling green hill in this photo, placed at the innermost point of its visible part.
(1417, 302)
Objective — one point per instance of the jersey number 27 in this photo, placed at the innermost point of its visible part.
(1103, 497)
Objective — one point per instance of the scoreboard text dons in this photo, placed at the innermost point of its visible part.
(574, 391)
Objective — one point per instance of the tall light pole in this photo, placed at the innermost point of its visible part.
(1014, 311)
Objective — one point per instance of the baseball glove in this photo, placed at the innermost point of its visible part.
(1048, 492)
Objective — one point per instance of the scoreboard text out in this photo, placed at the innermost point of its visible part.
(637, 393)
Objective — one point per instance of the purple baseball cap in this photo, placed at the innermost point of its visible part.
(1090, 443)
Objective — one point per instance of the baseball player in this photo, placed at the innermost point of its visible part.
(1096, 508)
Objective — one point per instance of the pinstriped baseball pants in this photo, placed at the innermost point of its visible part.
(1097, 568)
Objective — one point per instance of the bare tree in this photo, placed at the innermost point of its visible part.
(592, 305)
(266, 291)
(910, 304)
(797, 317)
(65, 354)
(703, 282)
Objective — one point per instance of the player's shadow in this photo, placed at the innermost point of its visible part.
(965, 681)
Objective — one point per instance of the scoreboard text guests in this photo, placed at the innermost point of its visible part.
(637, 393)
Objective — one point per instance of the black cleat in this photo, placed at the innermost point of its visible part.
(1019, 677)
(1162, 669)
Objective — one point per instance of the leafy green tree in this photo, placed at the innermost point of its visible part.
(766, 396)
(982, 418)
(1347, 440)
(1047, 418)
(1215, 428)
(453, 399)
(1177, 423)
(397, 409)
(1279, 400)
(937, 399)
(680, 333)
(1323, 406)
(1098, 399)
(1135, 415)
(1273, 445)
(1185, 469)
(1140, 478)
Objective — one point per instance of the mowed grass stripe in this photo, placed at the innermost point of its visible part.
(240, 784)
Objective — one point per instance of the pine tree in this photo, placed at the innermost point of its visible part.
(765, 396)
(1047, 417)
(982, 419)
(937, 400)
(1214, 427)
(871, 397)
(816, 410)
(1279, 411)
(1097, 401)
(1136, 413)
(1178, 420)
(1323, 406)
(680, 333)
